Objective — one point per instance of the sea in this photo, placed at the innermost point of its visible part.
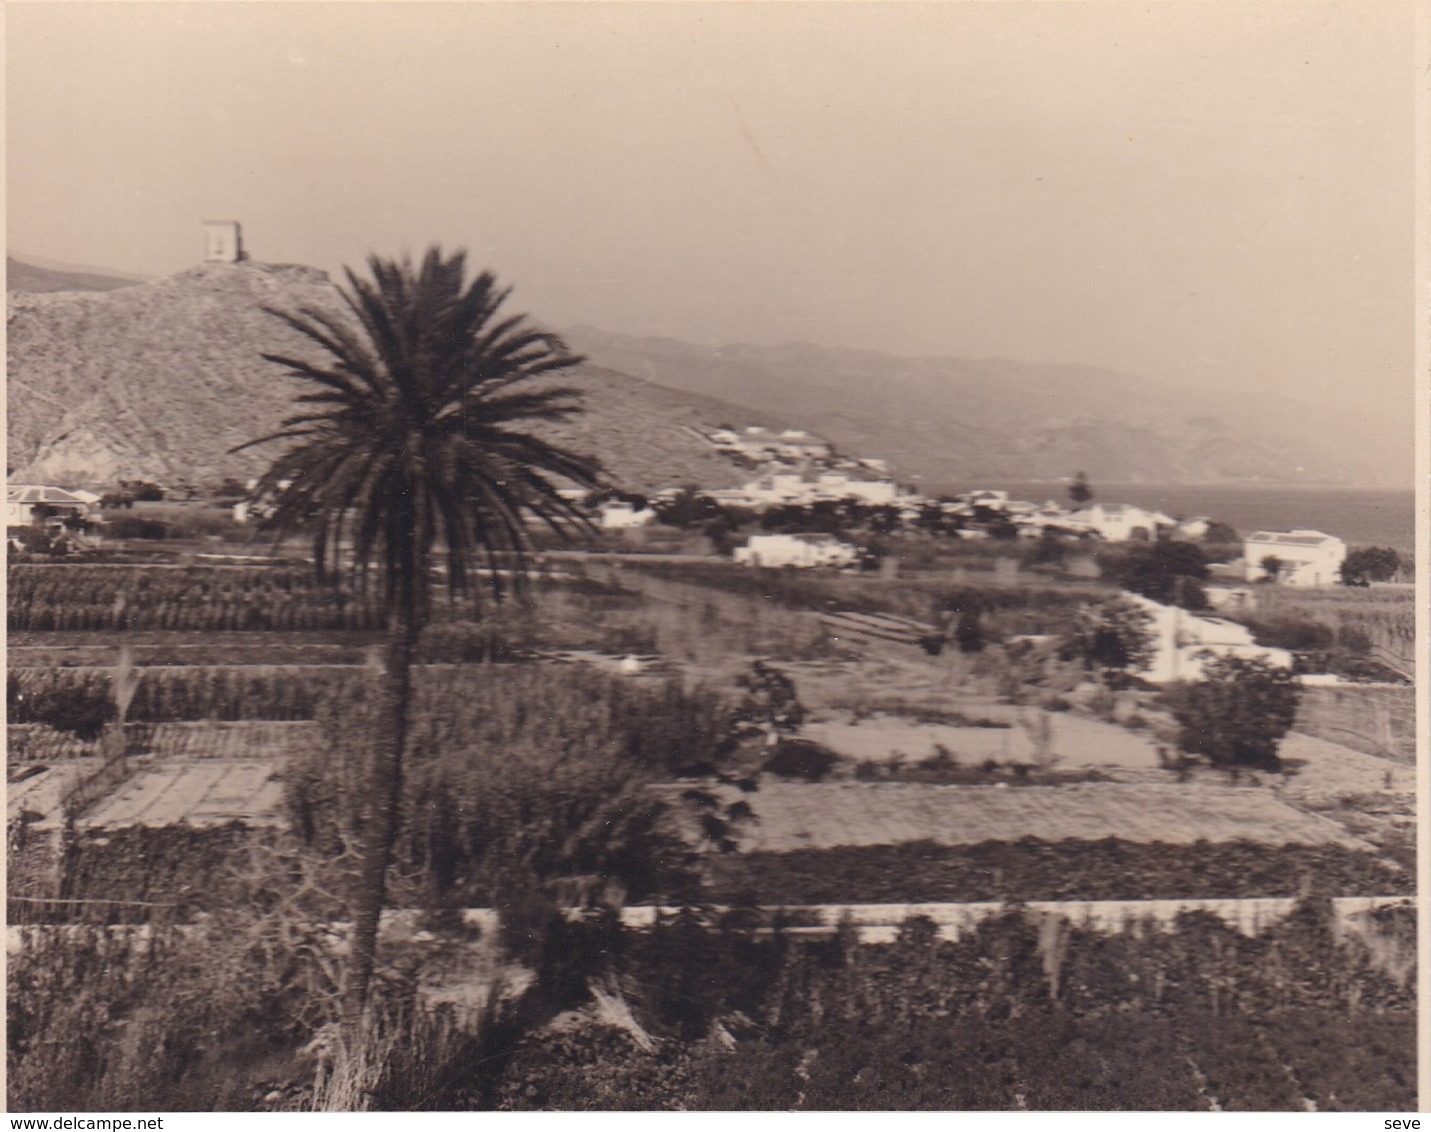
(1357, 516)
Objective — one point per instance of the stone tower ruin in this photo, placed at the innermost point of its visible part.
(223, 242)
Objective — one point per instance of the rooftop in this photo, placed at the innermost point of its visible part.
(1291, 538)
(30, 493)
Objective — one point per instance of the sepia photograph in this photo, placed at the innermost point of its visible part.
(808, 556)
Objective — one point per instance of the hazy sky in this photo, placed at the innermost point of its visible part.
(1194, 191)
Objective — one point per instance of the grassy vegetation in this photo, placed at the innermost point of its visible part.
(720, 1011)
(522, 778)
(529, 786)
(1346, 629)
(1027, 606)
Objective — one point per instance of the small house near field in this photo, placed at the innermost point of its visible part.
(803, 551)
(1300, 558)
(621, 515)
(24, 502)
(1122, 522)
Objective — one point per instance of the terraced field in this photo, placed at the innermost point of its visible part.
(244, 739)
(205, 793)
(829, 815)
(1075, 741)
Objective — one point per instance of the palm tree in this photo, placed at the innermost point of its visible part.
(410, 441)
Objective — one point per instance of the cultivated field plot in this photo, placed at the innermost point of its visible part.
(77, 650)
(209, 792)
(829, 815)
(244, 739)
(1327, 771)
(42, 791)
(1076, 741)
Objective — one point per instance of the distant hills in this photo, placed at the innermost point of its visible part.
(953, 419)
(37, 279)
(112, 378)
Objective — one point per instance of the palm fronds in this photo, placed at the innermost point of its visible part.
(410, 436)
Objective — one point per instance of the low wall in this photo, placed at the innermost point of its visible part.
(1376, 719)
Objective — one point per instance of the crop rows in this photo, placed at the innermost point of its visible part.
(1034, 869)
(34, 743)
(57, 696)
(216, 599)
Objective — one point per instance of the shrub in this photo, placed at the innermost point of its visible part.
(136, 526)
(802, 759)
(81, 708)
(1292, 631)
(1114, 638)
(1168, 572)
(1237, 714)
(1370, 563)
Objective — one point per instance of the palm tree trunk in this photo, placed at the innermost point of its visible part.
(381, 806)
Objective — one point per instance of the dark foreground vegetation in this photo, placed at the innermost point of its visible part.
(725, 1012)
(1033, 869)
(1016, 1015)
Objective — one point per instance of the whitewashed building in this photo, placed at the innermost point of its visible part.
(1304, 558)
(622, 515)
(802, 550)
(22, 500)
(1184, 642)
(1122, 522)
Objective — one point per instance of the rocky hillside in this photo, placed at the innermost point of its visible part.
(158, 381)
(952, 420)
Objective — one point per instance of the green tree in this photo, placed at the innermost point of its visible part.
(409, 441)
(1370, 564)
(1219, 533)
(1080, 490)
(686, 509)
(770, 705)
(1113, 638)
(1166, 571)
(968, 632)
(1238, 713)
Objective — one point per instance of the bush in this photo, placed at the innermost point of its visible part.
(1168, 572)
(1293, 632)
(802, 759)
(1370, 563)
(80, 708)
(136, 526)
(1237, 714)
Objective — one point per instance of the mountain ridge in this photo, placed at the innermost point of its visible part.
(159, 379)
(43, 278)
(949, 419)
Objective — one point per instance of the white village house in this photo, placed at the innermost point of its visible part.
(1122, 522)
(1183, 642)
(782, 488)
(757, 443)
(21, 501)
(802, 550)
(1304, 558)
(621, 515)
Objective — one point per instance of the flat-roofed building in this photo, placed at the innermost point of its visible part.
(1300, 558)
